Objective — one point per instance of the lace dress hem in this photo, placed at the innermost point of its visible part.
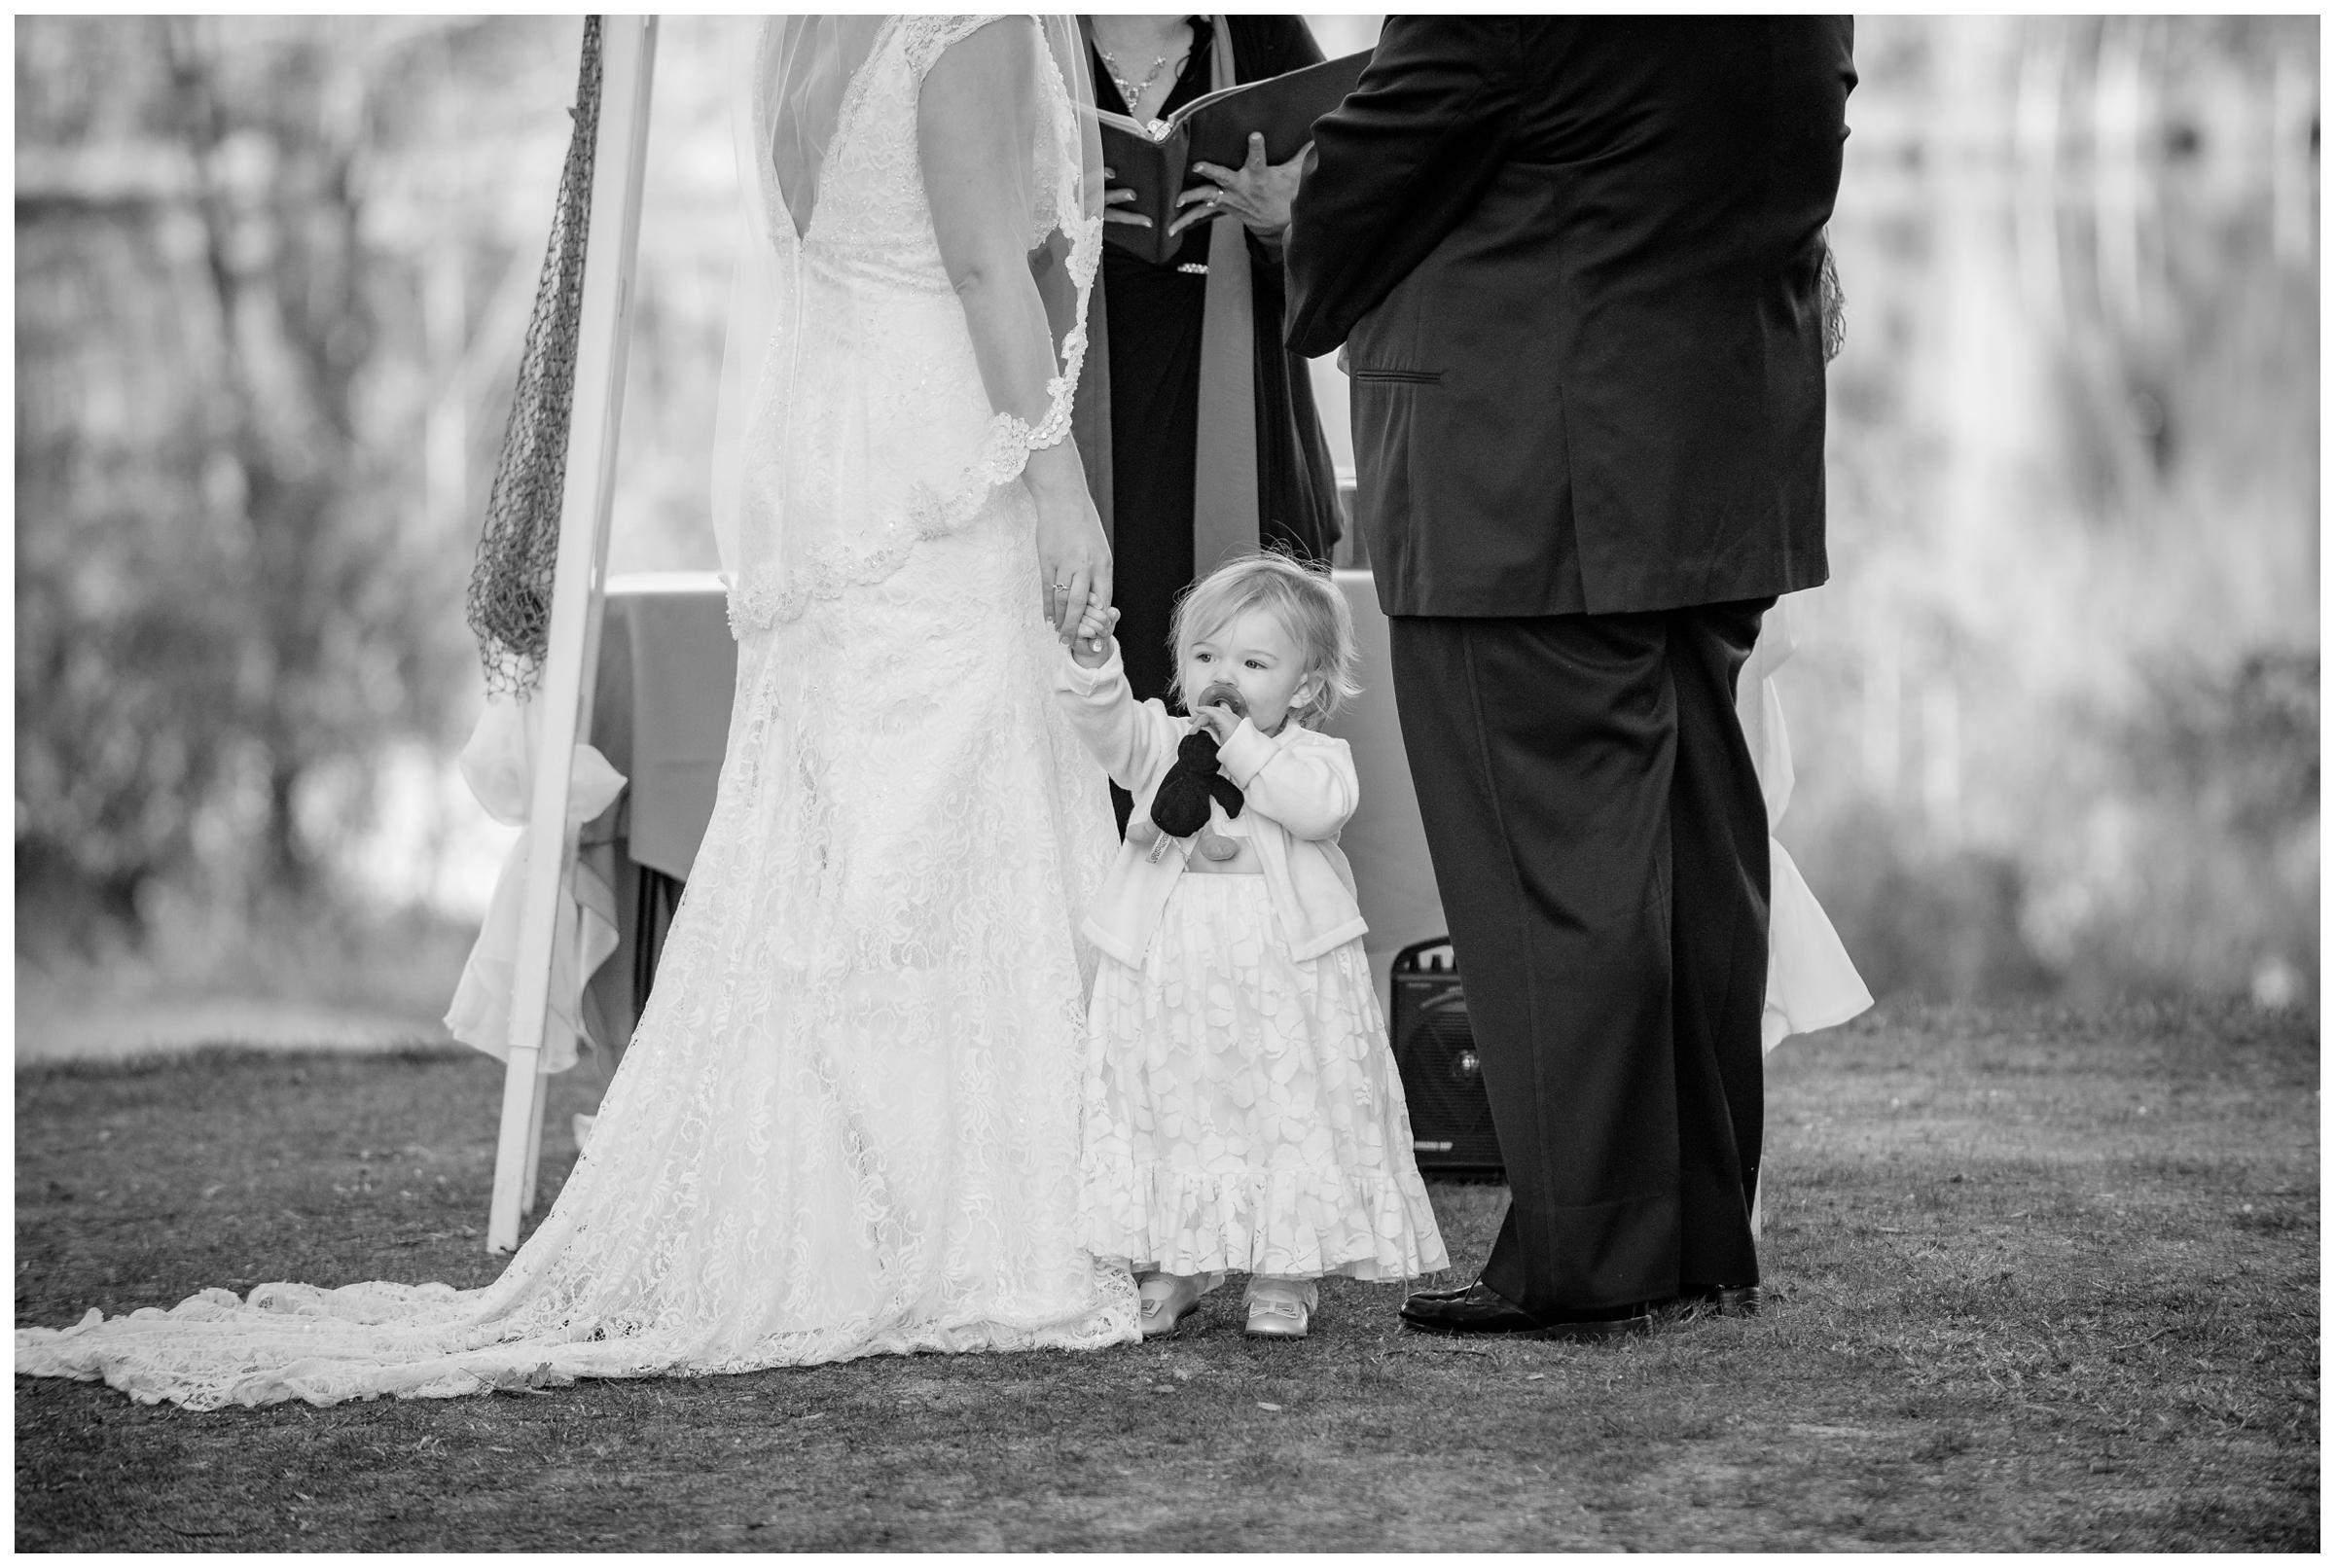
(1364, 1224)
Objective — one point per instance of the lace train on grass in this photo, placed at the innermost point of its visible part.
(848, 1124)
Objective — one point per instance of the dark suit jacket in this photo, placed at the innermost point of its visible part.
(1574, 263)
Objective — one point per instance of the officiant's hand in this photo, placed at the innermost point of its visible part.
(1115, 195)
(1257, 193)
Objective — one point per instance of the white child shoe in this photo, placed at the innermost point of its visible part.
(1281, 1308)
(1166, 1300)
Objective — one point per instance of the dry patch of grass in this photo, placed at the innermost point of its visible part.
(2036, 1280)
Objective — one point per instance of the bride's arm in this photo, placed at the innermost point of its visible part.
(978, 114)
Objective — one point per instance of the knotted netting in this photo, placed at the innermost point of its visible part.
(510, 601)
(1833, 302)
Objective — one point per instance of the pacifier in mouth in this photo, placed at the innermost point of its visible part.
(1223, 695)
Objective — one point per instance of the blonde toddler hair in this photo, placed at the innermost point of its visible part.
(1309, 606)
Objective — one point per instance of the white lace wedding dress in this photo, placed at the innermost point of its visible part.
(849, 1123)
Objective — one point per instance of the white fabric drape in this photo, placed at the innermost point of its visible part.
(1811, 984)
(498, 764)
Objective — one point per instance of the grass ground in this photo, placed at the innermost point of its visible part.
(2035, 1280)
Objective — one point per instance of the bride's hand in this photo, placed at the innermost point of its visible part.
(1093, 644)
(1074, 563)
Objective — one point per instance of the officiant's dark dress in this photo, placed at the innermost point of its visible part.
(1155, 318)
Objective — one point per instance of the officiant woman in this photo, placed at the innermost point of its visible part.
(1198, 427)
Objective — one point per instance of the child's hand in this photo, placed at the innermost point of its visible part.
(1092, 644)
(1096, 619)
(1218, 721)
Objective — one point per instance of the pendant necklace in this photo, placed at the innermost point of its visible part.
(1129, 93)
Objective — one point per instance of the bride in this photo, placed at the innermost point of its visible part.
(847, 1124)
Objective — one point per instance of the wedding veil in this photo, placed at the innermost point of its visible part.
(807, 77)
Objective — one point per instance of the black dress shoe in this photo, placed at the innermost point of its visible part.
(1723, 1301)
(1482, 1310)
(1452, 1295)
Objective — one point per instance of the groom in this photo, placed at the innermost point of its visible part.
(1574, 263)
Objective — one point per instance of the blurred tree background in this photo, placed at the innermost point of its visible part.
(2058, 706)
(2056, 715)
(270, 279)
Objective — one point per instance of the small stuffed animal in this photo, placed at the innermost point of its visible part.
(1179, 808)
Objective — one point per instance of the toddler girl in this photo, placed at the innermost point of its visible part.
(1242, 1111)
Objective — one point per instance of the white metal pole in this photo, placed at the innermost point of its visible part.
(527, 1182)
(627, 60)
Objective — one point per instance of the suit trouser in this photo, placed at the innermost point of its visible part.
(1601, 844)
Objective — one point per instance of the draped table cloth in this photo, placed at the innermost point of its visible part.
(644, 783)
(660, 715)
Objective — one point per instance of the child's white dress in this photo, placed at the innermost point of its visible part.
(1242, 1108)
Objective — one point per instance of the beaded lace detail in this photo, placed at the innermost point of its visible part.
(939, 452)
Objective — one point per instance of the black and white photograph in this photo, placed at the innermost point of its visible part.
(1122, 783)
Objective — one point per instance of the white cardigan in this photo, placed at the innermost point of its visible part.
(1299, 786)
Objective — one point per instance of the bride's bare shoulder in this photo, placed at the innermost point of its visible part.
(924, 40)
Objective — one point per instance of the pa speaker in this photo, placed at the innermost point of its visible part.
(1443, 1077)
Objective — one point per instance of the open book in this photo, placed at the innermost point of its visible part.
(1153, 162)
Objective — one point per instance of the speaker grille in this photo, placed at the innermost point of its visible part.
(1442, 1081)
